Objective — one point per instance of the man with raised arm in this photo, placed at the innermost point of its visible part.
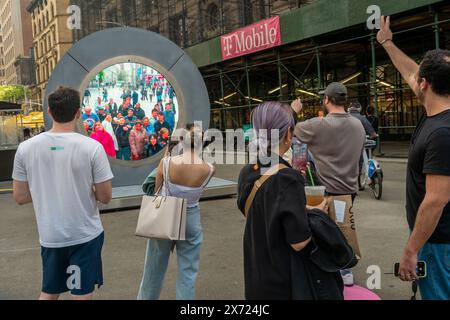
(428, 178)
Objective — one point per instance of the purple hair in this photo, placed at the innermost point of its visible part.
(273, 115)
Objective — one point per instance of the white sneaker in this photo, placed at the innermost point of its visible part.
(347, 277)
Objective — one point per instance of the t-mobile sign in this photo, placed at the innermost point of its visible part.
(256, 37)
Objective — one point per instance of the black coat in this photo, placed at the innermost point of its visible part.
(327, 254)
(123, 137)
(277, 217)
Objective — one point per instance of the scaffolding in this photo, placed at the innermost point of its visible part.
(299, 69)
(304, 69)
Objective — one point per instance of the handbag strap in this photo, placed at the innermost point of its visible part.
(165, 176)
(259, 183)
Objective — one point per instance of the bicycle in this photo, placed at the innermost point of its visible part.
(371, 172)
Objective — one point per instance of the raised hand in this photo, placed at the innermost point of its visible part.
(385, 33)
(297, 105)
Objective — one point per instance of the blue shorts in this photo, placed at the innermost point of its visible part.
(436, 286)
(76, 269)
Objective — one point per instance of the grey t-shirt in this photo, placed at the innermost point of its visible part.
(336, 142)
(61, 170)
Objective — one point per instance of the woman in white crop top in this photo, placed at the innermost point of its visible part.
(187, 177)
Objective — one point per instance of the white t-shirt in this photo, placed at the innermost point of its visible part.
(61, 170)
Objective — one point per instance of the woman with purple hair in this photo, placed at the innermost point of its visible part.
(277, 237)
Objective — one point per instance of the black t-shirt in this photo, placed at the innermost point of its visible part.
(429, 154)
(276, 219)
(159, 126)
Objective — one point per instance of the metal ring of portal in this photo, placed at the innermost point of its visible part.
(105, 48)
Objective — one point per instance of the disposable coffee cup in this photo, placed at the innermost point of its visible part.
(315, 195)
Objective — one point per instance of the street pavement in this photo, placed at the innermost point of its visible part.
(381, 227)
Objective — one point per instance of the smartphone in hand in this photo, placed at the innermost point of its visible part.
(421, 269)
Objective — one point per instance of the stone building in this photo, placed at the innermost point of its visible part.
(2, 60)
(51, 37)
(186, 22)
(15, 38)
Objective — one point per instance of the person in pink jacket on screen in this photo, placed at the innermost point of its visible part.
(105, 139)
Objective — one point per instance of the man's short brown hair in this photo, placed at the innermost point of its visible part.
(64, 104)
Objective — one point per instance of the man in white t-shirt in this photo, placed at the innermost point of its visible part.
(64, 174)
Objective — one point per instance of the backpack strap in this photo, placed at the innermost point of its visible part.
(259, 183)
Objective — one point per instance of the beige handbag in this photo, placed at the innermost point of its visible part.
(162, 217)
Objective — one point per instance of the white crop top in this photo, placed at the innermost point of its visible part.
(192, 195)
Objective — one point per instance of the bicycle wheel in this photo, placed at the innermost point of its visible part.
(377, 186)
(362, 179)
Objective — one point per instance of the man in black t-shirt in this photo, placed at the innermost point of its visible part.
(372, 118)
(161, 123)
(428, 178)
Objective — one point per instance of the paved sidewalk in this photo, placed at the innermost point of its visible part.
(381, 227)
(393, 149)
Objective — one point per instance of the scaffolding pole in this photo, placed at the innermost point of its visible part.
(436, 28)
(247, 75)
(222, 93)
(280, 77)
(373, 41)
(319, 69)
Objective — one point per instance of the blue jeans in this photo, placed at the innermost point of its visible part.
(436, 286)
(188, 256)
(124, 154)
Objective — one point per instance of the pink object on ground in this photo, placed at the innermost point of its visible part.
(358, 293)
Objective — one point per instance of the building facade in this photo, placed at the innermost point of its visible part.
(16, 38)
(185, 22)
(2, 60)
(51, 37)
(323, 42)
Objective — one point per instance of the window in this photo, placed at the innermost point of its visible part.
(212, 17)
(176, 29)
(38, 76)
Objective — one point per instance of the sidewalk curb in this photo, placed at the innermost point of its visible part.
(392, 160)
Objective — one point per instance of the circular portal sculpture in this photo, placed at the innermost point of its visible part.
(105, 48)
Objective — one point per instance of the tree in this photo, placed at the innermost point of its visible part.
(123, 76)
(13, 93)
(101, 77)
